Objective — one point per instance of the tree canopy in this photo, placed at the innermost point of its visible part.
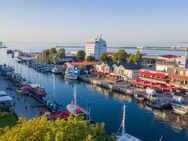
(80, 56)
(120, 55)
(105, 58)
(42, 129)
(90, 58)
(53, 51)
(61, 53)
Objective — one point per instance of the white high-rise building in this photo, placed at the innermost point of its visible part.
(96, 47)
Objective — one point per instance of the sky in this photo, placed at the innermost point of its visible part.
(74, 22)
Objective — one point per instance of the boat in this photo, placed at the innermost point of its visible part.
(151, 94)
(179, 110)
(71, 74)
(157, 104)
(139, 97)
(37, 89)
(2, 45)
(121, 134)
(9, 51)
(75, 109)
(56, 70)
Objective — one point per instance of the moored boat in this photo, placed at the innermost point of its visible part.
(76, 110)
(70, 74)
(56, 70)
(139, 97)
(179, 110)
(157, 104)
(121, 134)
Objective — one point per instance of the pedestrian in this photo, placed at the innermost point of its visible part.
(14, 104)
(25, 107)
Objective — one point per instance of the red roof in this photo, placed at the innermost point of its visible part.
(85, 63)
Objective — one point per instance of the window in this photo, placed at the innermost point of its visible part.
(181, 72)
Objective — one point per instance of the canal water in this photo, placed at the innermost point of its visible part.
(106, 106)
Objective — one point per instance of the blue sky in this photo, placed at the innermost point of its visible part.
(76, 21)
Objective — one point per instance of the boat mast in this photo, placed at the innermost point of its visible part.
(123, 121)
(74, 101)
(121, 130)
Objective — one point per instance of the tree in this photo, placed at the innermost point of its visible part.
(121, 55)
(105, 58)
(61, 53)
(42, 129)
(53, 51)
(90, 58)
(80, 56)
(138, 57)
(131, 58)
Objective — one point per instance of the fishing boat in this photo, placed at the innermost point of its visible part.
(70, 74)
(75, 109)
(139, 97)
(121, 134)
(179, 110)
(56, 70)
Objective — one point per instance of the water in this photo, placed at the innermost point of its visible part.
(106, 106)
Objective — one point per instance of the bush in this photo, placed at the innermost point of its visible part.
(3, 114)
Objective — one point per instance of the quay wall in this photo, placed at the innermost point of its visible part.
(106, 85)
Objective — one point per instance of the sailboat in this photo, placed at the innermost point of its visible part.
(121, 134)
(75, 109)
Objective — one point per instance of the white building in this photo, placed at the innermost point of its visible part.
(96, 47)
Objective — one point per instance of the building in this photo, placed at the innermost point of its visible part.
(126, 71)
(178, 77)
(96, 47)
(164, 62)
(104, 67)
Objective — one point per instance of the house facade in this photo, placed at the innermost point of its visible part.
(178, 77)
(104, 67)
(126, 71)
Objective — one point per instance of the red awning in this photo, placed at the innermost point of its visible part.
(161, 75)
(98, 72)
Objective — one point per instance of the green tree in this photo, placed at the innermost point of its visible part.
(80, 56)
(121, 55)
(90, 58)
(53, 51)
(42, 129)
(104, 57)
(138, 57)
(131, 58)
(61, 53)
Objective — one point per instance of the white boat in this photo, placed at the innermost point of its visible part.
(69, 74)
(2, 45)
(56, 70)
(179, 110)
(74, 109)
(121, 134)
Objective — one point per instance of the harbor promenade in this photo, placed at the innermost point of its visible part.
(126, 88)
(23, 105)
